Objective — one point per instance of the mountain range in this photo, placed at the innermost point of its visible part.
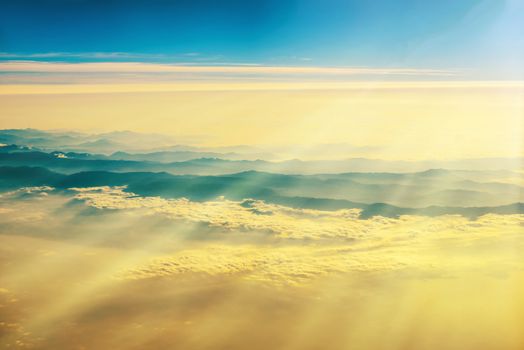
(366, 184)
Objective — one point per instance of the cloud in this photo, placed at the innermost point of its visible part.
(285, 222)
(261, 242)
(25, 84)
(199, 75)
(159, 273)
(234, 215)
(141, 67)
(285, 265)
(87, 55)
(27, 193)
(311, 244)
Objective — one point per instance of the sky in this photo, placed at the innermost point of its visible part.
(385, 33)
(439, 79)
(107, 268)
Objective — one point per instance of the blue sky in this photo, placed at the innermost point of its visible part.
(481, 35)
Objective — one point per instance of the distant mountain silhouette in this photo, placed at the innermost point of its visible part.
(420, 189)
(176, 170)
(165, 149)
(16, 177)
(241, 186)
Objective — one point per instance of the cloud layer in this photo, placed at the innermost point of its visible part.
(140, 67)
(312, 243)
(104, 268)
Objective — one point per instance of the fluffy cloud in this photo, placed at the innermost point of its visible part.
(311, 244)
(27, 192)
(88, 266)
(285, 222)
(263, 242)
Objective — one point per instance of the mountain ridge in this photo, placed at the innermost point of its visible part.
(201, 188)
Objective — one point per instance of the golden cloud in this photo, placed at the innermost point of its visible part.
(312, 243)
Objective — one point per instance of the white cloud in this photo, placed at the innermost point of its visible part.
(311, 244)
(262, 242)
(142, 67)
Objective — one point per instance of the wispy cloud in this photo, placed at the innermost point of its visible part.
(141, 67)
(351, 245)
(290, 223)
(269, 243)
(94, 55)
(47, 87)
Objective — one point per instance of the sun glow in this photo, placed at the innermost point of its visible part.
(262, 175)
